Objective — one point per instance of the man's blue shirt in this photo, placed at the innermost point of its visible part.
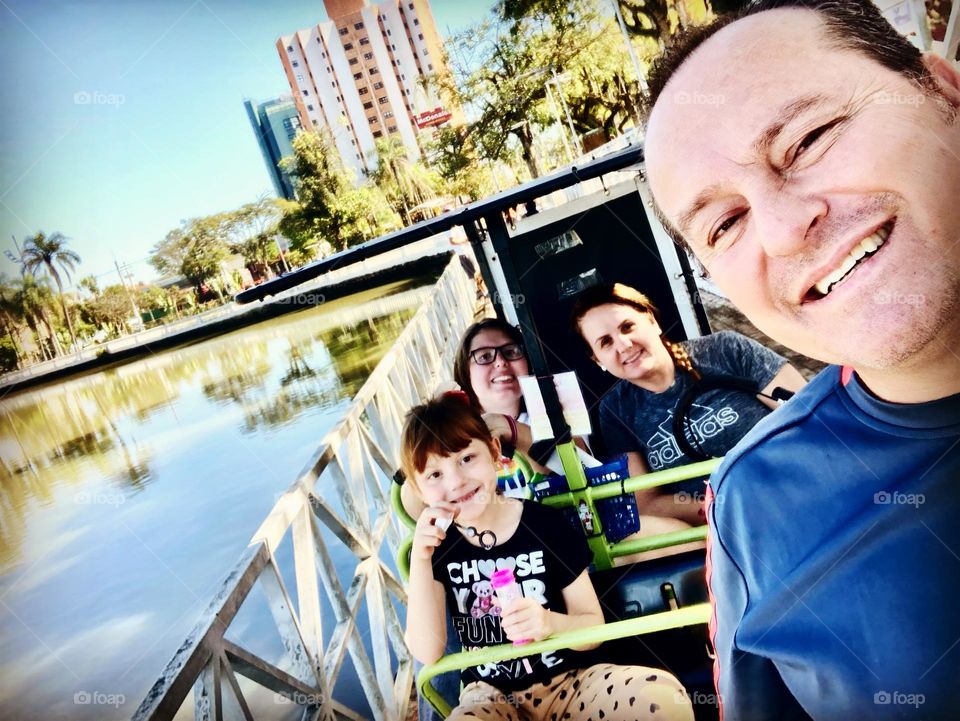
(834, 560)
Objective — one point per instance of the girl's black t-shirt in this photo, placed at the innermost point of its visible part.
(546, 553)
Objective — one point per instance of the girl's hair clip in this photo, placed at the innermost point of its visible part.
(457, 395)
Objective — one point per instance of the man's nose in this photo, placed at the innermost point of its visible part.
(784, 220)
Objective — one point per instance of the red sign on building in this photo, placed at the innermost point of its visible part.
(437, 116)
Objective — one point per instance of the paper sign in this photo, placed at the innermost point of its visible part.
(571, 400)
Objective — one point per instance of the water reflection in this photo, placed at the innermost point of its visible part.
(127, 493)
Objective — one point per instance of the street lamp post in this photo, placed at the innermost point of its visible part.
(566, 110)
(563, 135)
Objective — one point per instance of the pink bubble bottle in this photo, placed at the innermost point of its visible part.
(507, 590)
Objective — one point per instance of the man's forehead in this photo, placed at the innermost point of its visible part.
(748, 64)
(726, 93)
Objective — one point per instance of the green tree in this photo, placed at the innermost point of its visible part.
(109, 310)
(153, 298)
(89, 284)
(48, 252)
(405, 183)
(11, 318)
(35, 300)
(195, 249)
(453, 156)
(329, 207)
(252, 229)
(503, 66)
(167, 255)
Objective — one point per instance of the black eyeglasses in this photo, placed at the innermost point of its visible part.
(486, 356)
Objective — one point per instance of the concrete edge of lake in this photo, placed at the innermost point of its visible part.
(312, 296)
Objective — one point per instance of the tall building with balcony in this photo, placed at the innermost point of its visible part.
(361, 76)
(275, 123)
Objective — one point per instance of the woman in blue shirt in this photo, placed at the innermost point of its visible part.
(620, 331)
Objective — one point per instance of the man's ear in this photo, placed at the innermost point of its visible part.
(946, 76)
(495, 448)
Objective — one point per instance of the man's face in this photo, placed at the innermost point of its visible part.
(820, 190)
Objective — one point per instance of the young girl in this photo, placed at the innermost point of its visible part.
(450, 460)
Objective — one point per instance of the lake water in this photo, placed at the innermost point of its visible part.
(127, 494)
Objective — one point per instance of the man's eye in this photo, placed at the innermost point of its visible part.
(724, 227)
(812, 137)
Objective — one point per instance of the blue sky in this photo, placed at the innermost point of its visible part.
(124, 117)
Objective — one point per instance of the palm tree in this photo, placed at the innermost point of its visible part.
(9, 312)
(43, 251)
(406, 183)
(32, 299)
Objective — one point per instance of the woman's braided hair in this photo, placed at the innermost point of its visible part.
(681, 358)
(620, 294)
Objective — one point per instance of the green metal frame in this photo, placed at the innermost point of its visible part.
(603, 551)
(689, 616)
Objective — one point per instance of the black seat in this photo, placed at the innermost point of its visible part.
(647, 587)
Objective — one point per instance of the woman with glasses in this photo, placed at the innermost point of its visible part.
(489, 362)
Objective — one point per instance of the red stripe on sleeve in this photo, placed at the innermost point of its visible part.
(712, 627)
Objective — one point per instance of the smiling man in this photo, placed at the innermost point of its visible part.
(810, 157)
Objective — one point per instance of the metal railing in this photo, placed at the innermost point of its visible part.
(339, 503)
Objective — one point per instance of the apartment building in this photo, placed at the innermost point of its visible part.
(360, 75)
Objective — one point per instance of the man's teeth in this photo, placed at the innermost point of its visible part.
(868, 245)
